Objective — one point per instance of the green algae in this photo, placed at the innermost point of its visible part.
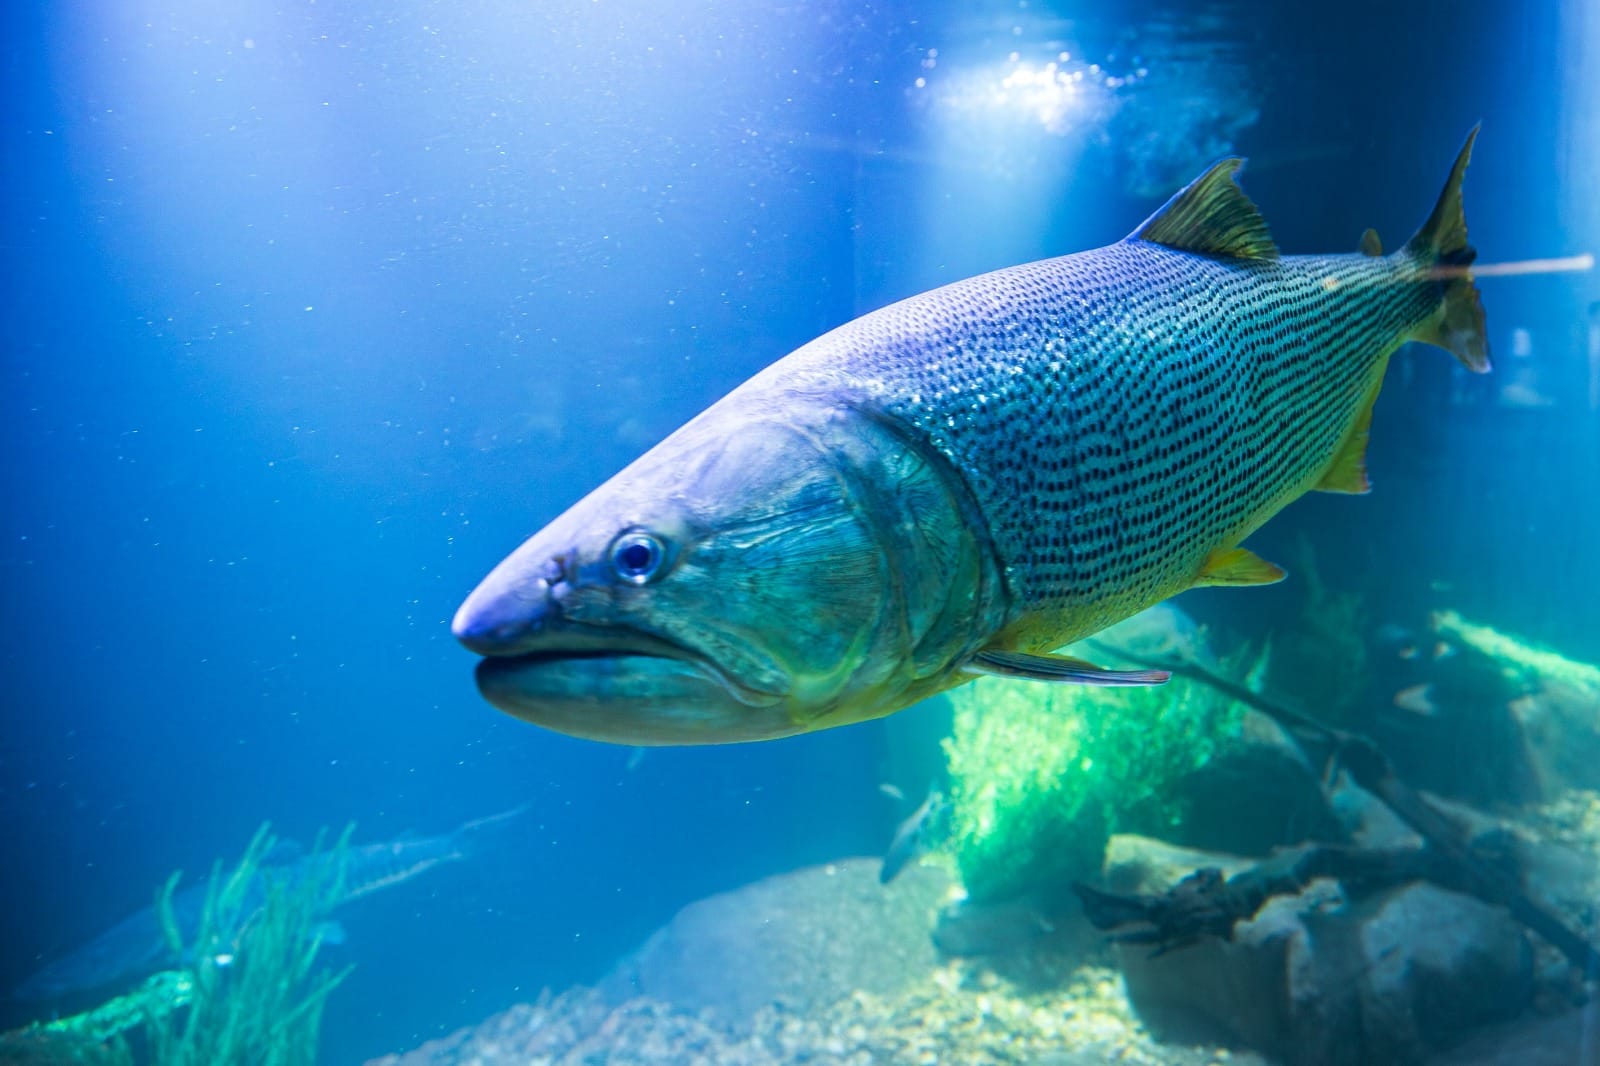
(251, 993)
(1042, 775)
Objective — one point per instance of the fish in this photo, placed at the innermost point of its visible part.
(1418, 699)
(966, 481)
(913, 836)
(137, 946)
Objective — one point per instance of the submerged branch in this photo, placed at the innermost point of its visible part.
(1450, 858)
(1204, 903)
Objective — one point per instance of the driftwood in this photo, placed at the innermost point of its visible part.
(1205, 903)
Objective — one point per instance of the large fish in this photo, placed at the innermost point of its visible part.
(964, 481)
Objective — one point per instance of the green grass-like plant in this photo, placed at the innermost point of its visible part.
(1042, 774)
(256, 997)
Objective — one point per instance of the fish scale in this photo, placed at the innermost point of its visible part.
(1118, 414)
(965, 481)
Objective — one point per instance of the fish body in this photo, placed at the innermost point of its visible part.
(137, 945)
(371, 867)
(914, 836)
(966, 480)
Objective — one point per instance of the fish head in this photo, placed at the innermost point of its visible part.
(743, 580)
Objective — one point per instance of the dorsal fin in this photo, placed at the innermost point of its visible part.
(1211, 216)
(1370, 244)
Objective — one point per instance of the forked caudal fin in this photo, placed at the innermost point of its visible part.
(1441, 243)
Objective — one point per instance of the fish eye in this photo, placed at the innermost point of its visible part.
(636, 557)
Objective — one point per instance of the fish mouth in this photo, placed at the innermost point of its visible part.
(625, 688)
(603, 643)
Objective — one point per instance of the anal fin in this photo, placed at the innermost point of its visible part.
(1057, 668)
(1237, 566)
(1348, 471)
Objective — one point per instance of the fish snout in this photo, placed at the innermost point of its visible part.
(500, 619)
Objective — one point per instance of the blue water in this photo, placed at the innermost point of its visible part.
(315, 311)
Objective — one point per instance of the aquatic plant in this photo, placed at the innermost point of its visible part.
(1042, 775)
(254, 997)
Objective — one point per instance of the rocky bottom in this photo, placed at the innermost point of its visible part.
(959, 1014)
(827, 965)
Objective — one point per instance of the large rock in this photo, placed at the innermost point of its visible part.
(1544, 718)
(1317, 981)
(968, 929)
(1570, 1039)
(1248, 991)
(800, 940)
(1439, 966)
(1258, 792)
(1136, 864)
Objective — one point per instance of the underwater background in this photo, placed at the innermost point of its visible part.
(315, 310)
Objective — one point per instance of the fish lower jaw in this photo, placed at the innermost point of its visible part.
(629, 697)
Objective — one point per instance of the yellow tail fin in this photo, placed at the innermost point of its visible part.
(1441, 243)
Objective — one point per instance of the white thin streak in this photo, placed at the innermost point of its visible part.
(1559, 265)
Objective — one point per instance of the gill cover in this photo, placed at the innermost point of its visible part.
(762, 572)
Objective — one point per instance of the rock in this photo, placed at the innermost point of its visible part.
(1449, 725)
(1558, 720)
(1440, 965)
(1141, 864)
(1236, 992)
(1050, 924)
(1318, 981)
(1034, 942)
(1368, 821)
(968, 929)
(800, 940)
(1570, 1039)
(943, 1018)
(1257, 793)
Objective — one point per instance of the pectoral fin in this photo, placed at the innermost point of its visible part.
(1237, 566)
(1058, 668)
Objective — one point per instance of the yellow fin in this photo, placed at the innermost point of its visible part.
(1370, 244)
(1441, 245)
(1348, 471)
(1211, 216)
(1237, 566)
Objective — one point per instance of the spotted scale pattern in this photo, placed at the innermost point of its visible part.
(1119, 413)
